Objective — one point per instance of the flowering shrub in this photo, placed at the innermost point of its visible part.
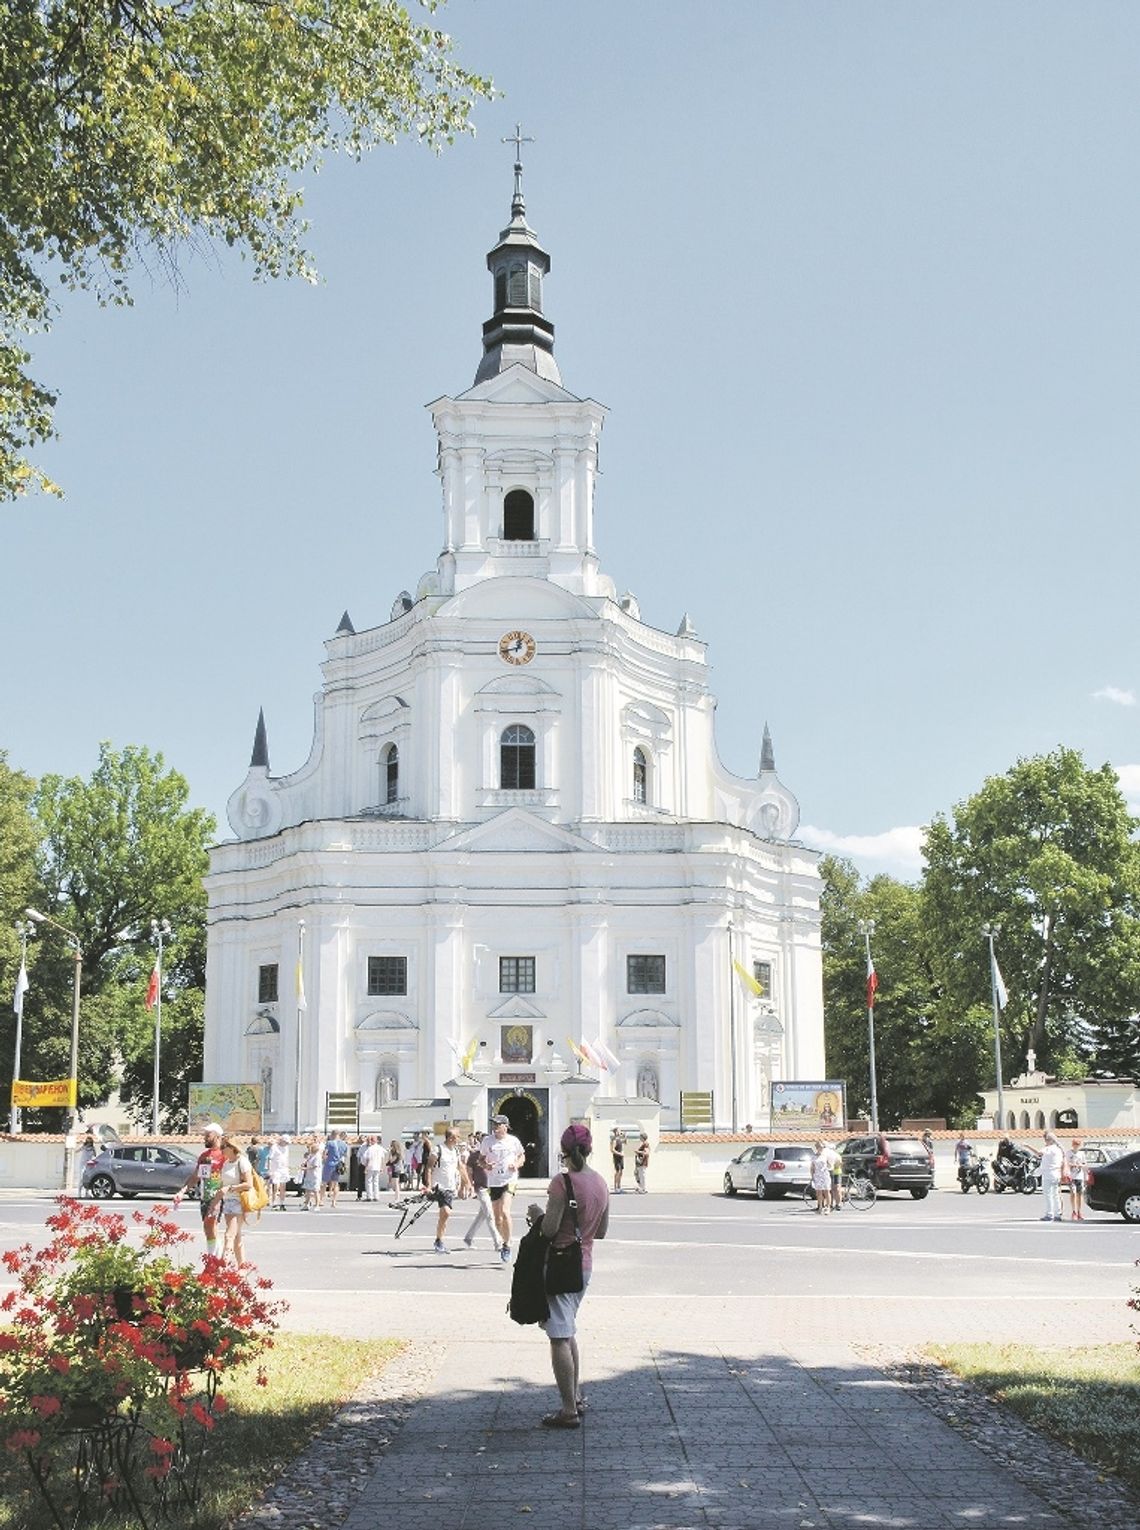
(112, 1340)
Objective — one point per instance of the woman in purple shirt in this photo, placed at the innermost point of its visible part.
(593, 1198)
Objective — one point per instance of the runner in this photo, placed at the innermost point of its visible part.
(504, 1156)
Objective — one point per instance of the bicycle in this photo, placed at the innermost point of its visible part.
(854, 1190)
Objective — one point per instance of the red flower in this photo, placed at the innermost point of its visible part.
(45, 1405)
(163, 1447)
(22, 1439)
(220, 1403)
(200, 1416)
(8, 1342)
(60, 1363)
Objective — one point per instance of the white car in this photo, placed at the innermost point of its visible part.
(770, 1170)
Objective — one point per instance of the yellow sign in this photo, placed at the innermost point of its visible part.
(60, 1091)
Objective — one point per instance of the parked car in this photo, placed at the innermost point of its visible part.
(891, 1161)
(130, 1170)
(769, 1171)
(1115, 1186)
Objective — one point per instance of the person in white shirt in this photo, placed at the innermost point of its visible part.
(1052, 1163)
(373, 1158)
(504, 1156)
(277, 1171)
(835, 1169)
(448, 1174)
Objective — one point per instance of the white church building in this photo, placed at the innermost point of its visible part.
(513, 870)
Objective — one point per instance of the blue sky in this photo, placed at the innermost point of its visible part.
(859, 287)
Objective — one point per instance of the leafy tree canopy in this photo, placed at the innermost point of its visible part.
(131, 126)
(1046, 854)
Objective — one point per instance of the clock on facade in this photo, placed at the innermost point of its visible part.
(517, 648)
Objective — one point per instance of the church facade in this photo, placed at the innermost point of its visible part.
(513, 872)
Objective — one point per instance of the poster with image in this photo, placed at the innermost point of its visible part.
(809, 1106)
(234, 1107)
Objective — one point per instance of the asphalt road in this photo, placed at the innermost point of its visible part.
(905, 1271)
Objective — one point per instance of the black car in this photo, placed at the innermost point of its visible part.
(891, 1161)
(1115, 1186)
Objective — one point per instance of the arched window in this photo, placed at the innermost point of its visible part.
(640, 776)
(516, 759)
(1024, 1120)
(1040, 1121)
(390, 766)
(1010, 1121)
(518, 517)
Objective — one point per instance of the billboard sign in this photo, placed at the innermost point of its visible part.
(808, 1105)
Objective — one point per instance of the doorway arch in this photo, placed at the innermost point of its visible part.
(527, 1111)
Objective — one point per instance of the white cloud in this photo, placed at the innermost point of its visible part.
(1114, 694)
(900, 848)
(1129, 778)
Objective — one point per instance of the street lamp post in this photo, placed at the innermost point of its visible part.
(867, 929)
(989, 931)
(78, 978)
(15, 1119)
(160, 930)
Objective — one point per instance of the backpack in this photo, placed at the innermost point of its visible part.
(528, 1302)
(256, 1198)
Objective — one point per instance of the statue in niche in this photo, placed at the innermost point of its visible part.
(266, 1087)
(387, 1085)
(648, 1087)
(770, 818)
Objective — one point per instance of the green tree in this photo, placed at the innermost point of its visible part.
(131, 126)
(115, 852)
(17, 889)
(1046, 854)
(928, 1062)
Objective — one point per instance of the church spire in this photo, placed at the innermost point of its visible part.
(767, 753)
(517, 333)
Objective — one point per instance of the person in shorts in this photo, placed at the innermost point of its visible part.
(207, 1175)
(278, 1175)
(504, 1155)
(593, 1205)
(641, 1164)
(449, 1173)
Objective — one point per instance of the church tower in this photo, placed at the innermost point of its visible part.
(515, 872)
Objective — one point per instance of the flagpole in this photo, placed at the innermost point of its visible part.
(15, 1121)
(867, 929)
(160, 928)
(989, 932)
(732, 1022)
(300, 997)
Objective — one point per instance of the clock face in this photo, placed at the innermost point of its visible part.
(517, 648)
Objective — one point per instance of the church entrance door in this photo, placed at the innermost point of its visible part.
(528, 1111)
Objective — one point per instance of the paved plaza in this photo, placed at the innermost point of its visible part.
(739, 1360)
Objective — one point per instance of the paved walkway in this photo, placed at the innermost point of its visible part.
(682, 1437)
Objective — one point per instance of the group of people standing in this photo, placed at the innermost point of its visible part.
(618, 1141)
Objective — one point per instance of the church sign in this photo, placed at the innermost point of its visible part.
(518, 1078)
(808, 1106)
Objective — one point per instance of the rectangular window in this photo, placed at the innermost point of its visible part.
(386, 975)
(267, 983)
(645, 974)
(762, 972)
(516, 974)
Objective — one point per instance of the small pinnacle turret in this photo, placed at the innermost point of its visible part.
(259, 759)
(346, 629)
(767, 753)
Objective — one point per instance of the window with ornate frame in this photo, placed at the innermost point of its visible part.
(267, 983)
(762, 972)
(517, 759)
(640, 776)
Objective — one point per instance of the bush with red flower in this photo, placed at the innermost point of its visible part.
(109, 1333)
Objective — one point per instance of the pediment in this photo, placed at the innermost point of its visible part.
(519, 385)
(263, 1024)
(516, 1008)
(648, 1019)
(517, 685)
(387, 1020)
(390, 706)
(515, 829)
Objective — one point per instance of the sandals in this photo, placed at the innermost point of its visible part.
(582, 1404)
(560, 1421)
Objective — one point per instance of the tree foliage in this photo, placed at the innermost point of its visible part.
(130, 126)
(111, 853)
(1046, 854)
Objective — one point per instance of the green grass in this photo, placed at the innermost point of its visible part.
(1088, 1399)
(310, 1376)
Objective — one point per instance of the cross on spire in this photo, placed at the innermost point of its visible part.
(517, 204)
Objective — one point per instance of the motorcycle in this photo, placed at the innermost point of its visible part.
(974, 1174)
(1016, 1174)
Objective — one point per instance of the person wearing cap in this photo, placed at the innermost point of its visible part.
(504, 1155)
(561, 1224)
(207, 1175)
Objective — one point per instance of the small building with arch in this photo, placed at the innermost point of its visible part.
(1037, 1102)
(513, 871)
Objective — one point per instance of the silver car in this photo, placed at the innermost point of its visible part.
(130, 1170)
(770, 1171)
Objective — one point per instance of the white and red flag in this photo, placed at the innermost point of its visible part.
(872, 982)
(152, 989)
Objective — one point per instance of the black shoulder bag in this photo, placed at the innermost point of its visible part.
(564, 1265)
